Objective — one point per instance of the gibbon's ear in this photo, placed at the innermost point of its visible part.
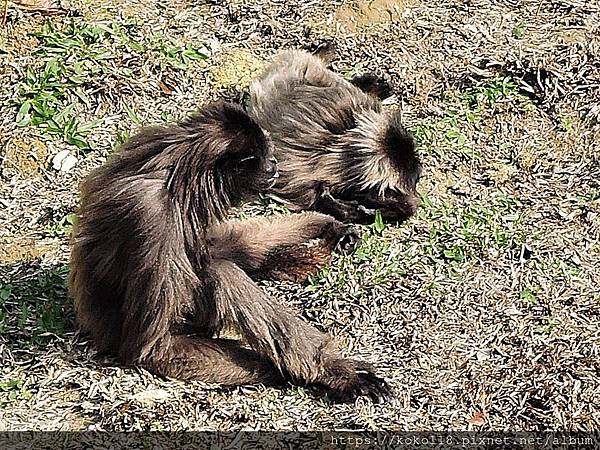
(236, 121)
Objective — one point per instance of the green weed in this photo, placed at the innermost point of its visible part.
(61, 227)
(12, 390)
(53, 97)
(37, 307)
(518, 32)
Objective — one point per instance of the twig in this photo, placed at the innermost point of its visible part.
(4, 13)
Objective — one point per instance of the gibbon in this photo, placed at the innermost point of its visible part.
(339, 152)
(156, 273)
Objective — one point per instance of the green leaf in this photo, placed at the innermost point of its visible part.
(379, 226)
(132, 115)
(23, 116)
(529, 296)
(30, 77)
(519, 31)
(78, 141)
(71, 218)
(5, 292)
(136, 46)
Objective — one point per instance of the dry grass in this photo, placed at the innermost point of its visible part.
(482, 311)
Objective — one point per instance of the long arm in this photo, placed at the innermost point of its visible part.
(281, 248)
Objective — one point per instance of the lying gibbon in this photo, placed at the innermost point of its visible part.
(339, 152)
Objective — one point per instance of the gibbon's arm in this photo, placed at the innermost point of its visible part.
(281, 248)
(298, 350)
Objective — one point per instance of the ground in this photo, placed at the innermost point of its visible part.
(482, 311)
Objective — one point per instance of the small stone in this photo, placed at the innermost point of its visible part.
(64, 161)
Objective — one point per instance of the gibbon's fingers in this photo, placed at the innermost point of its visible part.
(346, 380)
(324, 49)
(373, 84)
(343, 210)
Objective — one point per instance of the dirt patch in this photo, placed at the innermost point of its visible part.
(358, 15)
(501, 173)
(101, 10)
(17, 37)
(21, 250)
(24, 158)
(235, 68)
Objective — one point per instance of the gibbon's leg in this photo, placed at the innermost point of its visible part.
(373, 84)
(149, 313)
(221, 361)
(299, 350)
(281, 248)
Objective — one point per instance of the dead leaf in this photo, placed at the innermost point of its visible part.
(64, 161)
(151, 396)
(41, 6)
(477, 419)
(168, 90)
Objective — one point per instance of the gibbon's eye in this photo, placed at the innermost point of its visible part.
(247, 163)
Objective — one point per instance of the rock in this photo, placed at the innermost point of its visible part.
(64, 161)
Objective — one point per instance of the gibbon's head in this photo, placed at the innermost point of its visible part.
(247, 165)
(388, 171)
(231, 152)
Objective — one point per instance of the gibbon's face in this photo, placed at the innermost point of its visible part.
(399, 200)
(253, 167)
(396, 203)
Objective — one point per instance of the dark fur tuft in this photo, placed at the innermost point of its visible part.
(399, 146)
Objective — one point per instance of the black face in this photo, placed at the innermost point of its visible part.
(252, 169)
(256, 173)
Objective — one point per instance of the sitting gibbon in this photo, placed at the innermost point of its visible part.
(156, 272)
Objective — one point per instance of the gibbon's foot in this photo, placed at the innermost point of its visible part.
(347, 379)
(349, 241)
(374, 84)
(323, 48)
